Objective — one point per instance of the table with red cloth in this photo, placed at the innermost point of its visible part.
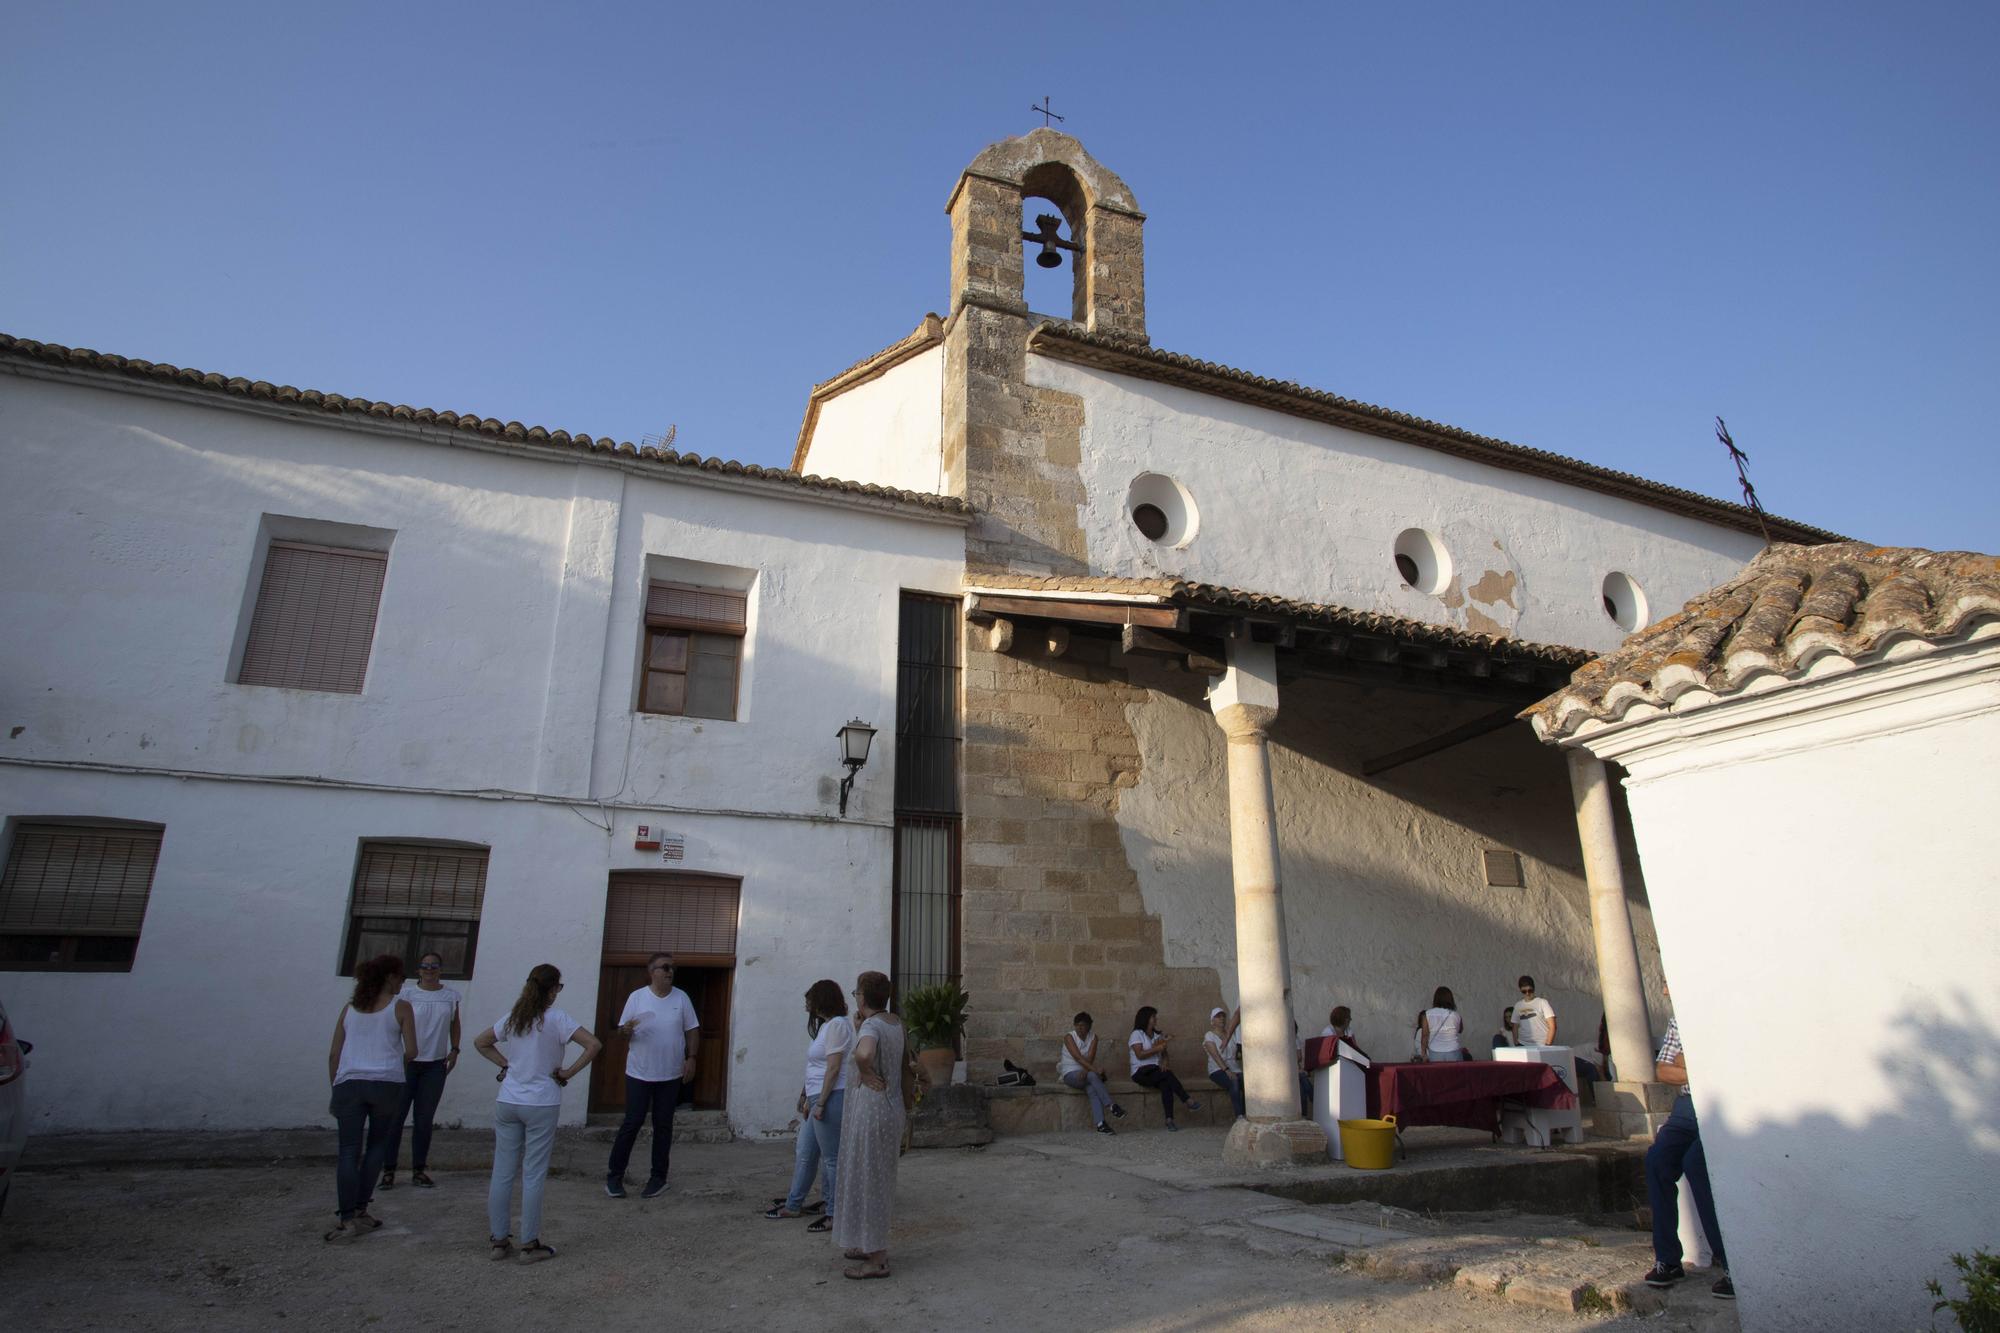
(1463, 1093)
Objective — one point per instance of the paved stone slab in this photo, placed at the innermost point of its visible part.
(1339, 1231)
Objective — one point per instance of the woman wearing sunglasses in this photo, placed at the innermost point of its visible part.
(435, 1006)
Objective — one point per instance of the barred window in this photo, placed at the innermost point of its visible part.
(411, 899)
(73, 896)
(694, 650)
(315, 618)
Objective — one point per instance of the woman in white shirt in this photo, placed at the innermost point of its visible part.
(1077, 1066)
(820, 1103)
(1224, 1071)
(529, 1040)
(1440, 1028)
(372, 1038)
(1148, 1046)
(435, 1007)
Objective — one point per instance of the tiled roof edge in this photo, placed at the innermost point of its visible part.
(928, 334)
(1073, 343)
(1211, 596)
(27, 350)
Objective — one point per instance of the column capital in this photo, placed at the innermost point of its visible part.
(1246, 724)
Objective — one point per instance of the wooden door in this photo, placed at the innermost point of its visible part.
(709, 988)
(607, 1072)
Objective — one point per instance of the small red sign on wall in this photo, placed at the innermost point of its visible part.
(648, 839)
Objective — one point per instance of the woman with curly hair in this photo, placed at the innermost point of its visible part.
(372, 1039)
(528, 1045)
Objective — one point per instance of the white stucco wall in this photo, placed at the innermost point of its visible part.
(1828, 903)
(887, 430)
(1384, 891)
(504, 660)
(1305, 510)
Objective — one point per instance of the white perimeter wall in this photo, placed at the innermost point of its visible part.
(1384, 889)
(1309, 511)
(888, 430)
(1828, 902)
(505, 657)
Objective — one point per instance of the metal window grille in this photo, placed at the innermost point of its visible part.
(74, 896)
(416, 898)
(647, 912)
(924, 943)
(1503, 870)
(315, 618)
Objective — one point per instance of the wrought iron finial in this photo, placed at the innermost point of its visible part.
(1044, 112)
(1738, 457)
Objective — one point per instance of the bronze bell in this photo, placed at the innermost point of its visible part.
(1048, 258)
(1052, 243)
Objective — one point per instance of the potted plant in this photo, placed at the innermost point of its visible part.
(934, 1018)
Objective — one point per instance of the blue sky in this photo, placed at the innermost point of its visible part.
(1586, 228)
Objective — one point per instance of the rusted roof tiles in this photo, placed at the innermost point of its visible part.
(508, 432)
(1790, 608)
(1214, 597)
(1074, 343)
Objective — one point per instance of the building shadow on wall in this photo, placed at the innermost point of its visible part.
(1833, 1222)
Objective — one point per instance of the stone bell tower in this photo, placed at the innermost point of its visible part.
(1010, 448)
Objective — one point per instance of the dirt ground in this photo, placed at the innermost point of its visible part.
(998, 1237)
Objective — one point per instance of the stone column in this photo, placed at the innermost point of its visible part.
(1245, 701)
(1636, 1100)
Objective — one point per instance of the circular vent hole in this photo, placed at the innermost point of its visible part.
(1422, 561)
(1161, 509)
(1624, 601)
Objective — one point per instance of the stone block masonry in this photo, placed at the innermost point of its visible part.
(1053, 920)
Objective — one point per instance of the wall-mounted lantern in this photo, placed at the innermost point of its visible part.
(855, 738)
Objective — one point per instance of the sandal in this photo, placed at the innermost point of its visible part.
(363, 1223)
(816, 1206)
(780, 1213)
(422, 1180)
(503, 1247)
(534, 1252)
(862, 1274)
(388, 1180)
(340, 1233)
(820, 1223)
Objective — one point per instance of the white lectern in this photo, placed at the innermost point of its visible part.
(1340, 1092)
(1532, 1125)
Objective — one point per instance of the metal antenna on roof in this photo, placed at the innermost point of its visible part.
(1743, 476)
(1044, 112)
(664, 440)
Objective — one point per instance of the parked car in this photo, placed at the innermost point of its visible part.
(13, 1103)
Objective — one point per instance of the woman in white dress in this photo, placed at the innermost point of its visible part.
(871, 1132)
(373, 1037)
(820, 1103)
(1440, 1029)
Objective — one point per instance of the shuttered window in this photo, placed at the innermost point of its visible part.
(416, 898)
(926, 900)
(671, 913)
(694, 650)
(315, 618)
(74, 896)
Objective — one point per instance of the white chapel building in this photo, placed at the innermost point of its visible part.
(294, 678)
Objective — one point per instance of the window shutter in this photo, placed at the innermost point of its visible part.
(706, 608)
(315, 618)
(1503, 870)
(676, 913)
(413, 880)
(68, 880)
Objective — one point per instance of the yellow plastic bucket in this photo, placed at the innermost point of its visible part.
(1369, 1145)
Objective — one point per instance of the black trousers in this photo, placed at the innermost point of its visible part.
(1152, 1076)
(642, 1097)
(423, 1088)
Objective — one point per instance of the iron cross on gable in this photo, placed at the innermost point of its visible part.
(1044, 112)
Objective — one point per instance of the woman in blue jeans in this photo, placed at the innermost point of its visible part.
(528, 1045)
(820, 1104)
(372, 1039)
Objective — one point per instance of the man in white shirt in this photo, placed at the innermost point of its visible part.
(660, 1023)
(1533, 1021)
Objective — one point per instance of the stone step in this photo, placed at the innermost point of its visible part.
(690, 1126)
